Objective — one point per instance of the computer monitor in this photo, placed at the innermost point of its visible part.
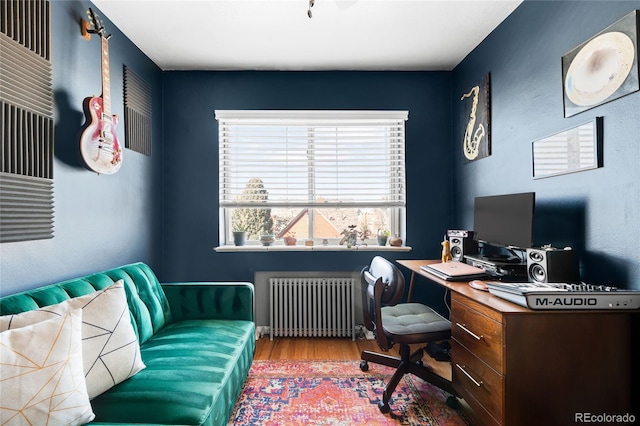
(505, 220)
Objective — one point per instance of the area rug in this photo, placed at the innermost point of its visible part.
(278, 393)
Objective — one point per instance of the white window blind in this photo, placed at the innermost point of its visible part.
(312, 158)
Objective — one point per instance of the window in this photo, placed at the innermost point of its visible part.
(311, 174)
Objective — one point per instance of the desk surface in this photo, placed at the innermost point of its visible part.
(483, 297)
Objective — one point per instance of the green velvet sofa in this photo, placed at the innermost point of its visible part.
(197, 341)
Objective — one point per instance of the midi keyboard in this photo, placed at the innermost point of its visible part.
(564, 296)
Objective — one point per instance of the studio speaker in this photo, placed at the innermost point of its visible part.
(552, 265)
(461, 243)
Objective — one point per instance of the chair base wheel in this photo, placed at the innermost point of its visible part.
(364, 366)
(384, 408)
(453, 402)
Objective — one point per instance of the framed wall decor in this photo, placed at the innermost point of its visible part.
(476, 120)
(603, 68)
(569, 151)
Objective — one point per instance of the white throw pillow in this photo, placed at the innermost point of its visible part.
(41, 374)
(110, 348)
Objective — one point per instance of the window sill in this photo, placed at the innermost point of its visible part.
(278, 248)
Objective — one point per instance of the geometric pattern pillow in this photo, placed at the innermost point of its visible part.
(111, 353)
(41, 374)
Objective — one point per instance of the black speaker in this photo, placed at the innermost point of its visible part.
(461, 243)
(552, 265)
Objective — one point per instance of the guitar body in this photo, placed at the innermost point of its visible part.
(99, 143)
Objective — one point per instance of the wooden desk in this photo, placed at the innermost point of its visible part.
(516, 366)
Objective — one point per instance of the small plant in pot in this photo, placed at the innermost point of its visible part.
(290, 239)
(239, 236)
(266, 236)
(364, 235)
(267, 239)
(383, 236)
(349, 236)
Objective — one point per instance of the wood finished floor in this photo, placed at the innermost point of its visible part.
(319, 348)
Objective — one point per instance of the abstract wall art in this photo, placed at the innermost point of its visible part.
(603, 68)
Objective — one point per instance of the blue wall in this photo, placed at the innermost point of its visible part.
(191, 160)
(163, 209)
(598, 211)
(100, 221)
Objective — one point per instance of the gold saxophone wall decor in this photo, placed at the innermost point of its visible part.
(476, 142)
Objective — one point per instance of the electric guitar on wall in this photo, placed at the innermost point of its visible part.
(99, 145)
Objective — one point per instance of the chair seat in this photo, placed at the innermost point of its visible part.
(412, 318)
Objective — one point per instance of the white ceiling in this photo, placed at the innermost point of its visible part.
(278, 35)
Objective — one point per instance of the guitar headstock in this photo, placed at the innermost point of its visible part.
(97, 26)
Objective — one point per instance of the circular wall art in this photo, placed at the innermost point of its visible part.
(599, 68)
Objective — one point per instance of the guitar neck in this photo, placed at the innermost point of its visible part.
(106, 83)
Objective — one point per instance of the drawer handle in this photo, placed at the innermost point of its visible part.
(462, 368)
(475, 336)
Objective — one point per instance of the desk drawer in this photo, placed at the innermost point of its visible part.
(475, 379)
(478, 333)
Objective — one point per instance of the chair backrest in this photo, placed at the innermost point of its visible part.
(382, 284)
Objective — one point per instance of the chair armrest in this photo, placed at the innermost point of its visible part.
(211, 300)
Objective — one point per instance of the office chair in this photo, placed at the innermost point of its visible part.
(399, 323)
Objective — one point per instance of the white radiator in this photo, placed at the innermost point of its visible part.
(312, 307)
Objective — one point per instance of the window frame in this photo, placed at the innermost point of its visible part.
(396, 209)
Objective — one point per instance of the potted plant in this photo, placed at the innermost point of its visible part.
(383, 236)
(267, 239)
(395, 241)
(239, 235)
(266, 236)
(290, 239)
(364, 235)
(350, 236)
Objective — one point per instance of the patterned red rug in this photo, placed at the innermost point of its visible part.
(278, 393)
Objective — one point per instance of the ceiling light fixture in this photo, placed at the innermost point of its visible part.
(311, 3)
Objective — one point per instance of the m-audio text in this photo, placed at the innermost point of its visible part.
(566, 301)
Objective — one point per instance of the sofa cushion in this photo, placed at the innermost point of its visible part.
(195, 372)
(41, 373)
(110, 349)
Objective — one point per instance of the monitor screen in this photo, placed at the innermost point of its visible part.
(505, 220)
